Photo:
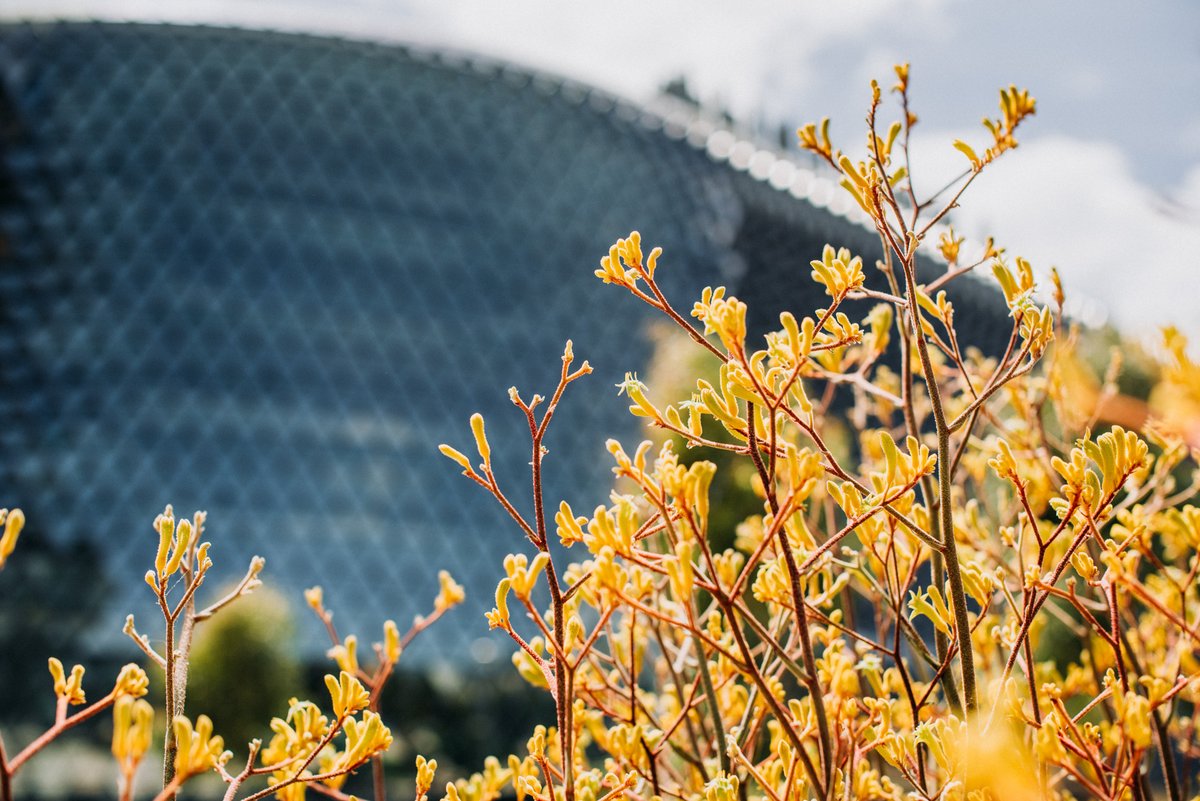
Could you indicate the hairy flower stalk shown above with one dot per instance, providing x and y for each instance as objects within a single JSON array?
[
  {"x": 945, "y": 529},
  {"x": 558, "y": 669},
  {"x": 811, "y": 679}
]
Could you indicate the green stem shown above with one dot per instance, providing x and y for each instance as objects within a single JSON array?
[
  {"x": 958, "y": 598},
  {"x": 711, "y": 694},
  {"x": 941, "y": 642}
]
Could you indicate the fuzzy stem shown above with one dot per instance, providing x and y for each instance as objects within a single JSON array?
[
  {"x": 812, "y": 682},
  {"x": 941, "y": 643},
  {"x": 235, "y": 782},
  {"x": 377, "y": 778},
  {"x": 169, "y": 701},
  {"x": 810, "y": 661},
  {"x": 711, "y": 694},
  {"x": 781, "y": 714},
  {"x": 5, "y": 775},
  {"x": 1165, "y": 754},
  {"x": 562, "y": 694},
  {"x": 562, "y": 699},
  {"x": 958, "y": 598},
  {"x": 169, "y": 789}
]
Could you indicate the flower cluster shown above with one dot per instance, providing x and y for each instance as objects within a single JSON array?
[
  {"x": 963, "y": 576},
  {"x": 982, "y": 576}
]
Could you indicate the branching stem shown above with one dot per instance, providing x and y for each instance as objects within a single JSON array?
[{"x": 958, "y": 598}]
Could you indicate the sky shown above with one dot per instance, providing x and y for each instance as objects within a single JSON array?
[{"x": 1105, "y": 185}]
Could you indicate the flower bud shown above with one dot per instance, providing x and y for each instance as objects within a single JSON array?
[
  {"x": 485, "y": 450},
  {"x": 13, "y": 521},
  {"x": 391, "y": 641}
]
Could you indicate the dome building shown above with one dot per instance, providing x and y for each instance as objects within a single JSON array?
[{"x": 265, "y": 274}]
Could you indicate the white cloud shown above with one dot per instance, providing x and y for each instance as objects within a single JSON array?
[
  {"x": 729, "y": 51},
  {"x": 1075, "y": 204}
]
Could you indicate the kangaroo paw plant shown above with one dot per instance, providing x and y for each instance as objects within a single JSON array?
[
  {"x": 985, "y": 596},
  {"x": 981, "y": 593},
  {"x": 309, "y": 748}
]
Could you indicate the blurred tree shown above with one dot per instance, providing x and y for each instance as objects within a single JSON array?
[{"x": 244, "y": 667}]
